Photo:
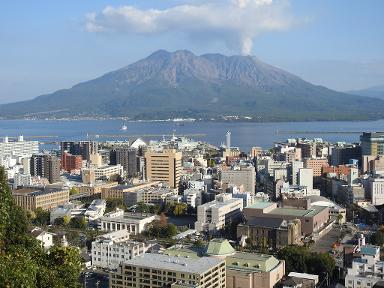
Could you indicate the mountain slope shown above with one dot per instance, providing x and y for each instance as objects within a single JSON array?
[
  {"x": 375, "y": 92},
  {"x": 181, "y": 84}
]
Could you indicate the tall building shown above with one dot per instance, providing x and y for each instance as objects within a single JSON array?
[
  {"x": 18, "y": 148},
  {"x": 316, "y": 165},
  {"x": 306, "y": 178},
  {"x": 83, "y": 148},
  {"x": 126, "y": 157},
  {"x": 372, "y": 143},
  {"x": 293, "y": 172},
  {"x": 45, "y": 165},
  {"x": 157, "y": 270},
  {"x": 164, "y": 166},
  {"x": 243, "y": 176},
  {"x": 71, "y": 162}
]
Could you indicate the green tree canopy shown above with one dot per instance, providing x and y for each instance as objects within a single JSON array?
[{"x": 23, "y": 262}]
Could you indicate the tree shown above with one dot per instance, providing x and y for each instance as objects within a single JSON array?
[
  {"x": 300, "y": 259},
  {"x": 113, "y": 203},
  {"x": 180, "y": 209},
  {"x": 42, "y": 217},
  {"x": 78, "y": 223},
  {"x": 142, "y": 207},
  {"x": 73, "y": 191},
  {"x": 23, "y": 262},
  {"x": 378, "y": 238}
]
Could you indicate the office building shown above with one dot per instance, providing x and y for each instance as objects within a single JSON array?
[
  {"x": 245, "y": 176},
  {"x": 214, "y": 215},
  {"x": 119, "y": 220},
  {"x": 376, "y": 190},
  {"x": 372, "y": 143},
  {"x": 157, "y": 270},
  {"x": 18, "y": 148},
  {"x": 46, "y": 199},
  {"x": 45, "y": 165},
  {"x": 164, "y": 166},
  {"x": 22, "y": 180},
  {"x": 293, "y": 171},
  {"x": 126, "y": 157}
]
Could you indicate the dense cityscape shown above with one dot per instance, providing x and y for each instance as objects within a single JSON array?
[{"x": 177, "y": 212}]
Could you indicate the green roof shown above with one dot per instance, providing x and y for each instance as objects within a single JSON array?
[
  {"x": 251, "y": 262},
  {"x": 220, "y": 247},
  {"x": 260, "y": 205}
]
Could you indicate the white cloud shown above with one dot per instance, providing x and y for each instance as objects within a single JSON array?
[{"x": 235, "y": 22}]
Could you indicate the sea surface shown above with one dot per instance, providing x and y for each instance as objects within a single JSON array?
[{"x": 244, "y": 134}]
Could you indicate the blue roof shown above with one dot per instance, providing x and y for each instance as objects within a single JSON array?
[{"x": 369, "y": 250}]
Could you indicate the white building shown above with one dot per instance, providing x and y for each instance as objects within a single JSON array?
[
  {"x": 90, "y": 175},
  {"x": 306, "y": 178},
  {"x": 44, "y": 237},
  {"x": 22, "y": 180},
  {"x": 376, "y": 190},
  {"x": 19, "y": 148},
  {"x": 366, "y": 270},
  {"x": 213, "y": 216},
  {"x": 119, "y": 220},
  {"x": 95, "y": 210},
  {"x": 112, "y": 249},
  {"x": 193, "y": 197}
]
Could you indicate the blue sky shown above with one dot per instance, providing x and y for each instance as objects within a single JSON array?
[{"x": 49, "y": 45}]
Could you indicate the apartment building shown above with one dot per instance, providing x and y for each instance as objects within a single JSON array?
[
  {"x": 83, "y": 148},
  {"x": 18, "y": 148},
  {"x": 372, "y": 143},
  {"x": 126, "y": 157},
  {"x": 71, "y": 162},
  {"x": 46, "y": 199},
  {"x": 316, "y": 165},
  {"x": 367, "y": 270},
  {"x": 150, "y": 195},
  {"x": 45, "y": 165},
  {"x": 119, "y": 220},
  {"x": 163, "y": 166},
  {"x": 214, "y": 215},
  {"x": 157, "y": 270}
]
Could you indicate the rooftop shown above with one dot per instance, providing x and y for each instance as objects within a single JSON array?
[
  {"x": 220, "y": 247},
  {"x": 252, "y": 261},
  {"x": 174, "y": 263},
  {"x": 260, "y": 205}
]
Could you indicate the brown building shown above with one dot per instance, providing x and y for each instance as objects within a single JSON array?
[
  {"x": 163, "y": 166},
  {"x": 71, "y": 162},
  {"x": 338, "y": 170},
  {"x": 45, "y": 165},
  {"x": 272, "y": 233},
  {"x": 46, "y": 199},
  {"x": 313, "y": 219},
  {"x": 316, "y": 165},
  {"x": 95, "y": 189},
  {"x": 117, "y": 191}
]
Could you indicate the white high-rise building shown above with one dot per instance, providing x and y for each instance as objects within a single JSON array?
[
  {"x": 19, "y": 148},
  {"x": 376, "y": 189},
  {"x": 306, "y": 178}
]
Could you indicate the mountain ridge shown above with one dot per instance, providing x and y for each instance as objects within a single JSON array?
[{"x": 180, "y": 84}]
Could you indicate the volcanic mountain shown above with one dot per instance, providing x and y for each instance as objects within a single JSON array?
[{"x": 180, "y": 84}]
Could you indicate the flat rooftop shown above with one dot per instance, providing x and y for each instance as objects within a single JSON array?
[
  {"x": 34, "y": 191},
  {"x": 181, "y": 264},
  {"x": 314, "y": 210},
  {"x": 260, "y": 205}
]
